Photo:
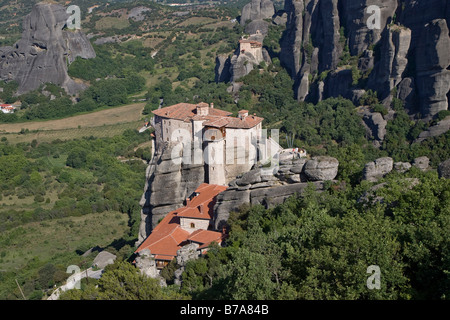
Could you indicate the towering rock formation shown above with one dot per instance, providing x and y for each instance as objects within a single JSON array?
[
  {"x": 254, "y": 14},
  {"x": 432, "y": 68},
  {"x": 407, "y": 52},
  {"x": 168, "y": 183},
  {"x": 44, "y": 51}
]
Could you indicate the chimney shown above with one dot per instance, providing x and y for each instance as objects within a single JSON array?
[
  {"x": 243, "y": 114},
  {"x": 200, "y": 208},
  {"x": 188, "y": 201},
  {"x": 202, "y": 109},
  {"x": 211, "y": 105}
]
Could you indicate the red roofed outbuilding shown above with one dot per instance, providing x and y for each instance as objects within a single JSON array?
[{"x": 185, "y": 225}]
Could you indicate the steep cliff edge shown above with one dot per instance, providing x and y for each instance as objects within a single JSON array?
[
  {"x": 168, "y": 183},
  {"x": 44, "y": 51}
]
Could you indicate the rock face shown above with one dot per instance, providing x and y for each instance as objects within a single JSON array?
[
  {"x": 168, "y": 185},
  {"x": 270, "y": 187},
  {"x": 254, "y": 13},
  {"x": 432, "y": 63},
  {"x": 394, "y": 49},
  {"x": 222, "y": 71},
  {"x": 407, "y": 52},
  {"x": 44, "y": 50}
]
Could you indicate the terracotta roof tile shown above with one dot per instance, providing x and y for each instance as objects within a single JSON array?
[
  {"x": 187, "y": 111},
  {"x": 167, "y": 237},
  {"x": 205, "y": 236},
  {"x": 215, "y": 118}
]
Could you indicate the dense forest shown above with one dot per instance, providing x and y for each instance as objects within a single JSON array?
[{"x": 318, "y": 247}]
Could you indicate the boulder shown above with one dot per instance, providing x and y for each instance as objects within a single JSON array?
[
  {"x": 422, "y": 163},
  {"x": 402, "y": 166},
  {"x": 187, "y": 253},
  {"x": 103, "y": 259},
  {"x": 146, "y": 263},
  {"x": 378, "y": 169},
  {"x": 321, "y": 168}
]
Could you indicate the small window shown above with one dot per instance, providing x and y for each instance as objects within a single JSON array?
[{"x": 192, "y": 225}]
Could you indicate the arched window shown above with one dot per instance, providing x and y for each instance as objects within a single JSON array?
[{"x": 192, "y": 225}]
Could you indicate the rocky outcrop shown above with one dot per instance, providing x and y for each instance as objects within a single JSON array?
[
  {"x": 375, "y": 170},
  {"x": 272, "y": 186},
  {"x": 243, "y": 61},
  {"x": 231, "y": 69},
  {"x": 45, "y": 49},
  {"x": 147, "y": 265},
  {"x": 389, "y": 70},
  {"x": 432, "y": 63},
  {"x": 375, "y": 125},
  {"x": 407, "y": 52},
  {"x": 187, "y": 253},
  {"x": 378, "y": 169},
  {"x": 440, "y": 128}
]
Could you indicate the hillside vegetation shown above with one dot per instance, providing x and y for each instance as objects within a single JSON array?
[{"x": 72, "y": 169}]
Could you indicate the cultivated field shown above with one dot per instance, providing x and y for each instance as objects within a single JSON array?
[{"x": 104, "y": 123}]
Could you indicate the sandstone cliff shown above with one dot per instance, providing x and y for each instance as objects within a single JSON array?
[{"x": 44, "y": 51}]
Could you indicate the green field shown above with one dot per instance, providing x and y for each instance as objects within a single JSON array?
[
  {"x": 48, "y": 239},
  {"x": 75, "y": 133}
]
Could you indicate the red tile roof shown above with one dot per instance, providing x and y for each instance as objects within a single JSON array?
[
  {"x": 216, "y": 118},
  {"x": 168, "y": 236},
  {"x": 186, "y": 111},
  {"x": 205, "y": 237}
]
